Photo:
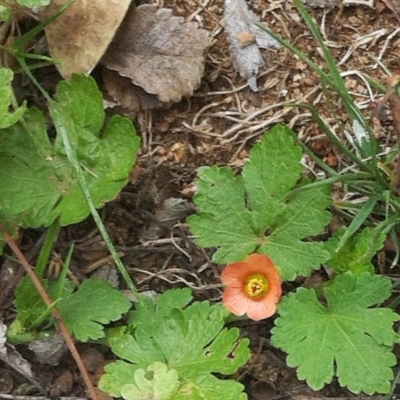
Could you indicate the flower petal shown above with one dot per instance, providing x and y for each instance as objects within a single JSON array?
[
  {"x": 235, "y": 301},
  {"x": 261, "y": 309},
  {"x": 234, "y": 274}
]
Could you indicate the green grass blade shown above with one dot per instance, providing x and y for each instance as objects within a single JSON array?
[
  {"x": 358, "y": 220},
  {"x": 64, "y": 272},
  {"x": 43, "y": 259},
  {"x": 61, "y": 127}
]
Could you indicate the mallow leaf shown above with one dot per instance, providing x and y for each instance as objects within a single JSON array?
[
  {"x": 38, "y": 182},
  {"x": 345, "y": 338},
  {"x": 6, "y": 118},
  {"x": 95, "y": 303},
  {"x": 259, "y": 210},
  {"x": 156, "y": 382},
  {"x": 190, "y": 339}
]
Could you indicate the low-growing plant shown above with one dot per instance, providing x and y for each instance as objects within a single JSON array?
[
  {"x": 371, "y": 177},
  {"x": 171, "y": 349},
  {"x": 268, "y": 223},
  {"x": 337, "y": 329}
]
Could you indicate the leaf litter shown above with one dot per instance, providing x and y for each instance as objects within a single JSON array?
[
  {"x": 10, "y": 356},
  {"x": 78, "y": 38},
  {"x": 161, "y": 53},
  {"x": 245, "y": 38}
]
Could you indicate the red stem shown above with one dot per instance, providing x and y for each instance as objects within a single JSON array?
[{"x": 57, "y": 316}]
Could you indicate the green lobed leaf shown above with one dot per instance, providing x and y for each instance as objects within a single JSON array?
[
  {"x": 30, "y": 306},
  {"x": 345, "y": 338},
  {"x": 95, "y": 303},
  {"x": 39, "y": 182},
  {"x": 270, "y": 174},
  {"x": 6, "y": 118},
  {"x": 160, "y": 307},
  {"x": 303, "y": 215},
  {"x": 357, "y": 252},
  {"x": 28, "y": 302},
  {"x": 118, "y": 374},
  {"x": 191, "y": 340},
  {"x": 211, "y": 388},
  {"x": 260, "y": 211},
  {"x": 223, "y": 219}
]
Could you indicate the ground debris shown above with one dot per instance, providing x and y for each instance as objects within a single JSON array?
[
  {"x": 245, "y": 38},
  {"x": 161, "y": 53}
]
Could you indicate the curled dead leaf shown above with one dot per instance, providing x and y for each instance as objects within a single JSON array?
[
  {"x": 10, "y": 356},
  {"x": 79, "y": 37},
  {"x": 49, "y": 350},
  {"x": 245, "y": 38},
  {"x": 158, "y": 52}
]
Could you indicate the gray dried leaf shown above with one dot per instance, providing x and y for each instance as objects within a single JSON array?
[
  {"x": 162, "y": 54},
  {"x": 3, "y": 338},
  {"x": 107, "y": 272},
  {"x": 49, "y": 350},
  {"x": 171, "y": 210},
  {"x": 11, "y": 357},
  {"x": 245, "y": 39}
]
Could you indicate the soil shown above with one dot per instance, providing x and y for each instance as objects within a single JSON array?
[{"x": 218, "y": 124}]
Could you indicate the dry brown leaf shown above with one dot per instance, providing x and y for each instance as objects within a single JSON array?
[
  {"x": 161, "y": 53},
  {"x": 79, "y": 37},
  {"x": 245, "y": 38},
  {"x": 126, "y": 94}
]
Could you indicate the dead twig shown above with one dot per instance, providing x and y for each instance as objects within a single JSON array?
[{"x": 394, "y": 102}]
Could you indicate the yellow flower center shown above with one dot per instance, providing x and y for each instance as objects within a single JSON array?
[{"x": 256, "y": 286}]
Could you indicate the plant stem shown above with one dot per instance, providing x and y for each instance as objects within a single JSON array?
[{"x": 57, "y": 316}]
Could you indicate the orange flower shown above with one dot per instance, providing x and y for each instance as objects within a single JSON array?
[{"x": 253, "y": 287}]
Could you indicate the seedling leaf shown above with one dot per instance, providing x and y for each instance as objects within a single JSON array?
[
  {"x": 259, "y": 211},
  {"x": 345, "y": 338},
  {"x": 156, "y": 382},
  {"x": 6, "y": 118},
  {"x": 95, "y": 303},
  {"x": 357, "y": 252},
  {"x": 191, "y": 340}
]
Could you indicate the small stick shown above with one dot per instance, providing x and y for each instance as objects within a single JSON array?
[
  {"x": 394, "y": 102},
  {"x": 57, "y": 316}
]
